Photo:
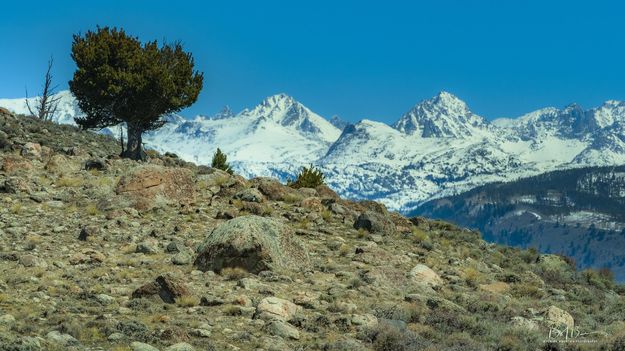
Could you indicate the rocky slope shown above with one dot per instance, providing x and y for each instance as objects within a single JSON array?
[
  {"x": 100, "y": 253},
  {"x": 438, "y": 148},
  {"x": 578, "y": 213}
]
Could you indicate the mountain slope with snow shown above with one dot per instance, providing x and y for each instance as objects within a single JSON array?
[{"x": 437, "y": 148}]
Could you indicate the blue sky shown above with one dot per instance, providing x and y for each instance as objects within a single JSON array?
[{"x": 356, "y": 59}]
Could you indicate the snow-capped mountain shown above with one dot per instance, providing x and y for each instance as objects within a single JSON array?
[
  {"x": 441, "y": 116},
  {"x": 437, "y": 148}
]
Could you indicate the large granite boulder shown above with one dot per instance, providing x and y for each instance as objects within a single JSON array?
[{"x": 253, "y": 243}]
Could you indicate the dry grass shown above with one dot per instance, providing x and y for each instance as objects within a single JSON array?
[
  {"x": 187, "y": 301},
  {"x": 234, "y": 273},
  {"x": 70, "y": 182}
]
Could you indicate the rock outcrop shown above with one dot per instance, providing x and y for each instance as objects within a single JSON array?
[{"x": 253, "y": 243}]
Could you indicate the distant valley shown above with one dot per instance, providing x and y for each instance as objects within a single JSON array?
[{"x": 578, "y": 213}]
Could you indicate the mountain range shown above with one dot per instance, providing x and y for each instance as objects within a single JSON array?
[{"x": 437, "y": 148}]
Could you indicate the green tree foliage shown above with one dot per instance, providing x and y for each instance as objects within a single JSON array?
[
  {"x": 309, "y": 177},
  {"x": 220, "y": 161},
  {"x": 121, "y": 80}
]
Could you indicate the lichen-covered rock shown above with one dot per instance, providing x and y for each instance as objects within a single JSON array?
[
  {"x": 556, "y": 317},
  {"x": 253, "y": 243},
  {"x": 13, "y": 164},
  {"x": 276, "y": 308},
  {"x": 250, "y": 195},
  {"x": 31, "y": 150},
  {"x": 271, "y": 188},
  {"x": 147, "y": 183},
  {"x": 60, "y": 164},
  {"x": 375, "y": 223},
  {"x": 166, "y": 286},
  {"x": 422, "y": 274}
]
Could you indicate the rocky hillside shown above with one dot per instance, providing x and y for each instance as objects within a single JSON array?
[
  {"x": 577, "y": 213},
  {"x": 100, "y": 253}
]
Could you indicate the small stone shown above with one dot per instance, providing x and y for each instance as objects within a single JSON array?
[
  {"x": 181, "y": 346},
  {"x": 88, "y": 231},
  {"x": 174, "y": 247},
  {"x": 139, "y": 346},
  {"x": 96, "y": 164},
  {"x": 282, "y": 329},
  {"x": 181, "y": 259},
  {"x": 61, "y": 339},
  {"x": 210, "y": 300},
  {"x": 105, "y": 299},
  {"x": 148, "y": 247},
  {"x": 32, "y": 261},
  {"x": 250, "y": 195},
  {"x": 116, "y": 337},
  {"x": 7, "y": 320},
  {"x": 201, "y": 333}
]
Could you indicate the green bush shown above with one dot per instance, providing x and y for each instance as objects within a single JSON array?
[
  {"x": 309, "y": 177},
  {"x": 220, "y": 161}
]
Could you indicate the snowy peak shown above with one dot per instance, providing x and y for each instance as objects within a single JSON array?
[
  {"x": 338, "y": 122},
  {"x": 442, "y": 116},
  {"x": 287, "y": 112},
  {"x": 225, "y": 113}
]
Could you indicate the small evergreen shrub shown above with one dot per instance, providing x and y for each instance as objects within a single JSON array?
[
  {"x": 309, "y": 177},
  {"x": 220, "y": 161}
]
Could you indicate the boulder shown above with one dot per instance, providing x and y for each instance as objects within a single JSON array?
[
  {"x": 375, "y": 223},
  {"x": 147, "y": 183},
  {"x": 556, "y": 317},
  {"x": 31, "y": 150},
  {"x": 14, "y": 163},
  {"x": 282, "y": 329},
  {"x": 166, "y": 286},
  {"x": 325, "y": 192},
  {"x": 253, "y": 243},
  {"x": 59, "y": 164},
  {"x": 275, "y": 308},
  {"x": 496, "y": 287},
  {"x": 250, "y": 195},
  {"x": 271, "y": 188},
  {"x": 95, "y": 164},
  {"x": 422, "y": 274},
  {"x": 88, "y": 231}
]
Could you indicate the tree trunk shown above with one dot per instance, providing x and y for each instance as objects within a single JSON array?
[{"x": 134, "y": 147}]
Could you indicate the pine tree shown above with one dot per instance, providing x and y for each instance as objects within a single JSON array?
[
  {"x": 220, "y": 161},
  {"x": 309, "y": 177},
  {"x": 121, "y": 80}
]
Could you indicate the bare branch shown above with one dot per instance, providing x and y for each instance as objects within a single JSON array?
[{"x": 46, "y": 105}]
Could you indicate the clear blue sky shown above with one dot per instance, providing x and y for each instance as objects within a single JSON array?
[{"x": 357, "y": 59}]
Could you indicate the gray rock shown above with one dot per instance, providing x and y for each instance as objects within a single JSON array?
[
  {"x": 61, "y": 339},
  {"x": 250, "y": 195},
  {"x": 210, "y": 300},
  {"x": 149, "y": 247},
  {"x": 375, "y": 223},
  {"x": 105, "y": 299},
  {"x": 182, "y": 258},
  {"x": 7, "y": 320},
  {"x": 181, "y": 346},
  {"x": 253, "y": 243},
  {"x": 139, "y": 346},
  {"x": 282, "y": 329}
]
